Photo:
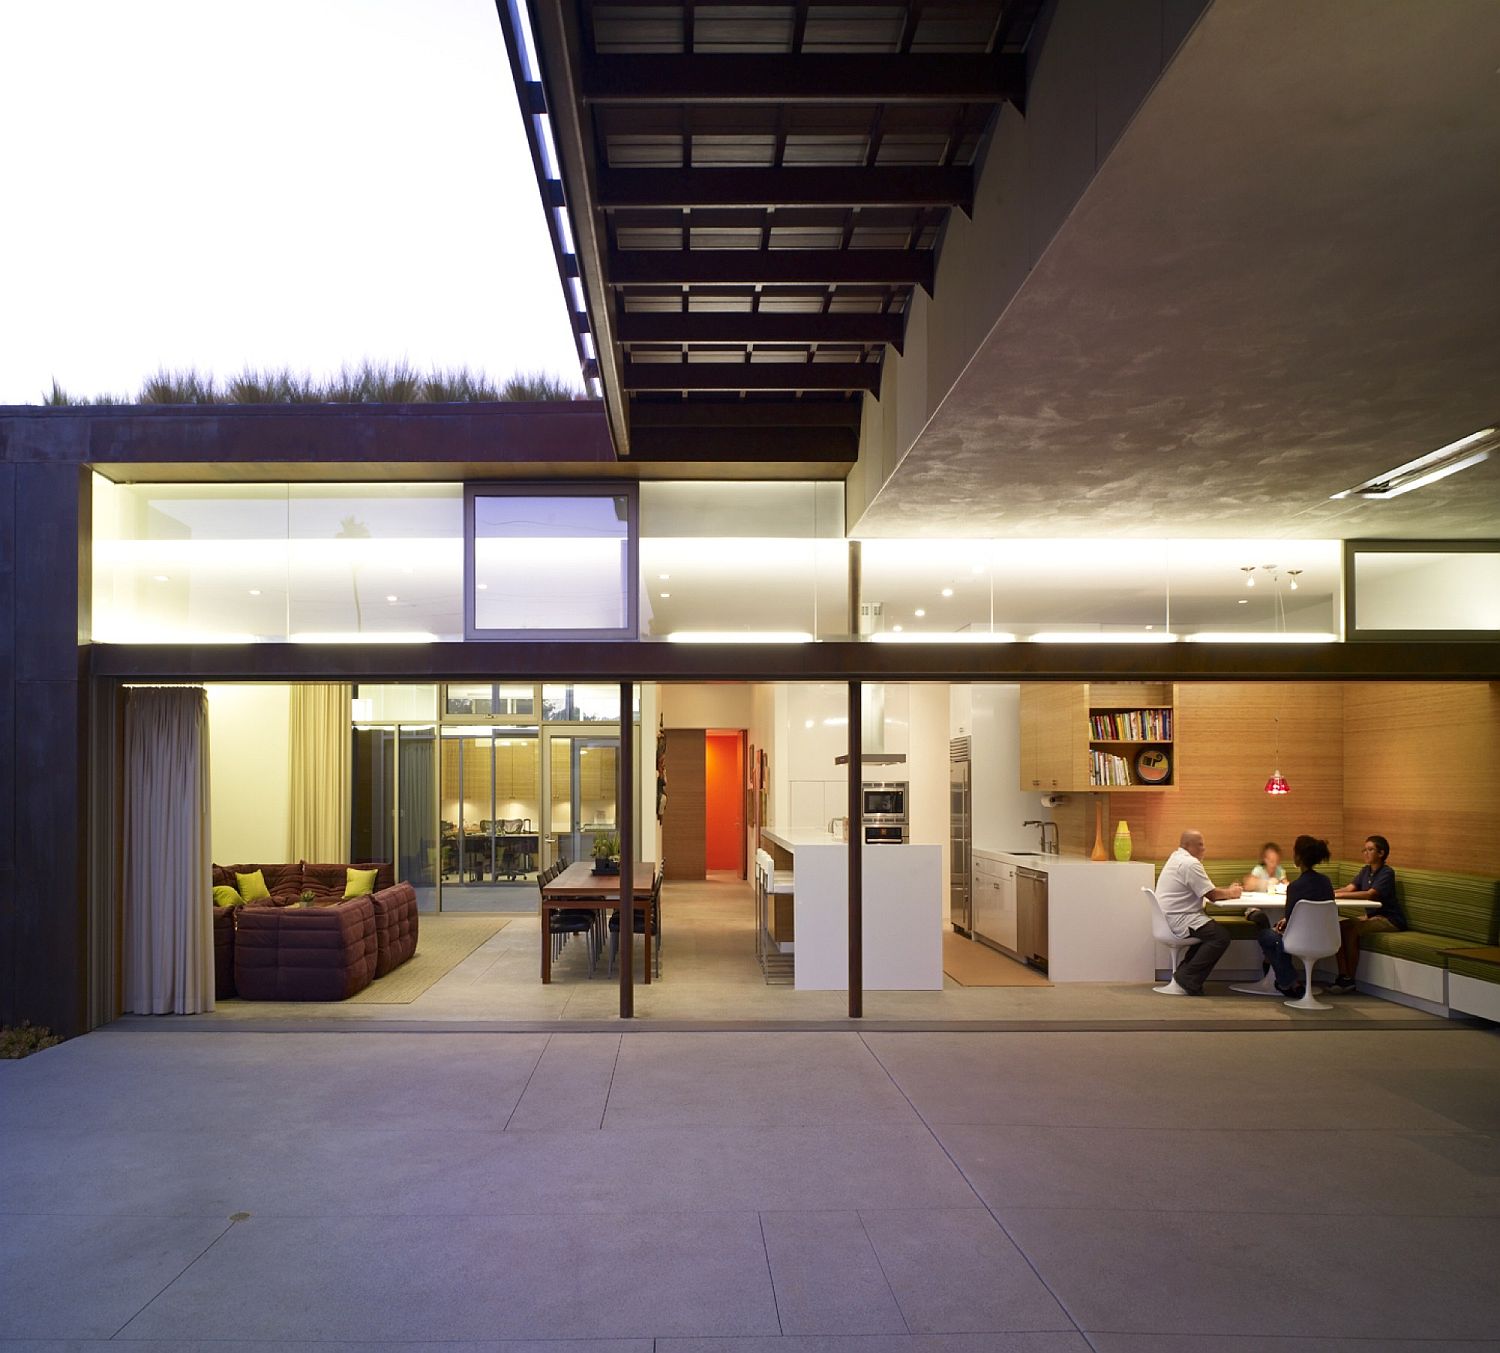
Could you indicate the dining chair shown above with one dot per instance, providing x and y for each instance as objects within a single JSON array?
[
  {"x": 1311, "y": 933},
  {"x": 638, "y": 915},
  {"x": 1162, "y": 933},
  {"x": 567, "y": 922}
]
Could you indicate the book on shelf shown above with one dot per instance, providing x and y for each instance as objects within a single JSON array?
[
  {"x": 1131, "y": 725},
  {"x": 1109, "y": 771}
]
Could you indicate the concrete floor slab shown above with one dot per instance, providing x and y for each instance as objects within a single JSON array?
[
  {"x": 827, "y": 1277},
  {"x": 1278, "y": 1273}
]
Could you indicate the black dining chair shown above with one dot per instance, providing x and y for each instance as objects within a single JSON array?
[
  {"x": 638, "y": 915},
  {"x": 567, "y": 922}
]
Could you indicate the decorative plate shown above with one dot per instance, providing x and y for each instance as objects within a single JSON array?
[{"x": 1153, "y": 766}]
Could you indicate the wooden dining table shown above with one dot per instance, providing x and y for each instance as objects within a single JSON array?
[{"x": 578, "y": 888}]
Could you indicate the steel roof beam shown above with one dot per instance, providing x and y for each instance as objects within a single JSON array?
[
  {"x": 805, "y": 78},
  {"x": 771, "y": 267},
  {"x": 747, "y": 327},
  {"x": 906, "y": 186},
  {"x": 752, "y": 376}
]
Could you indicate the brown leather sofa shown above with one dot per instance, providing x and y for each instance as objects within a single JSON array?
[
  {"x": 305, "y": 953},
  {"x": 393, "y": 906}
]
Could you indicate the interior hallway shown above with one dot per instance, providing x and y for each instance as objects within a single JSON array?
[
  {"x": 756, "y": 1193},
  {"x": 710, "y": 976}
]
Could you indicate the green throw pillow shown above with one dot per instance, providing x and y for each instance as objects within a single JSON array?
[
  {"x": 225, "y": 896},
  {"x": 252, "y": 887},
  {"x": 361, "y": 882}
]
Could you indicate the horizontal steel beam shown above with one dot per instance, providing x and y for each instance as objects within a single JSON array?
[
  {"x": 760, "y": 445},
  {"x": 771, "y": 267},
  {"x": 646, "y": 661},
  {"x": 697, "y": 326},
  {"x": 732, "y": 413},
  {"x": 752, "y": 376},
  {"x": 805, "y": 78},
  {"x": 894, "y": 186}
]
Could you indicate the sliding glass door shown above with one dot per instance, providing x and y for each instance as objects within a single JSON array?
[
  {"x": 582, "y": 793},
  {"x": 490, "y": 802}
]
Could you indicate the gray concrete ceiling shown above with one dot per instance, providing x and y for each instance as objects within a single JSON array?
[{"x": 1284, "y": 280}]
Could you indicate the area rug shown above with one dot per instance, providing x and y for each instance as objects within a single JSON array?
[
  {"x": 443, "y": 942},
  {"x": 974, "y": 965}
]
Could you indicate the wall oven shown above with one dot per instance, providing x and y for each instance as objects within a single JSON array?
[
  {"x": 884, "y": 803},
  {"x": 885, "y": 833}
]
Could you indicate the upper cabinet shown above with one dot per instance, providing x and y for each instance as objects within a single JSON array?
[{"x": 1080, "y": 736}]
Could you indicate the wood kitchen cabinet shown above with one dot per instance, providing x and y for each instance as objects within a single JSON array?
[{"x": 1056, "y": 736}]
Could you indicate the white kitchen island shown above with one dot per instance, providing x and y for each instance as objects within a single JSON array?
[
  {"x": 903, "y": 913},
  {"x": 1098, "y": 923}
]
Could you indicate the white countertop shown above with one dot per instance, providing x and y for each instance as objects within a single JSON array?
[
  {"x": 790, "y": 840},
  {"x": 1054, "y": 864}
]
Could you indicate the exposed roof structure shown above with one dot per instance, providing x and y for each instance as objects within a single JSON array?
[{"x": 756, "y": 190}]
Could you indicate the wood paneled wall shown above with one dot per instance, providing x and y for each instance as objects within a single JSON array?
[
  {"x": 1226, "y": 747},
  {"x": 682, "y": 830},
  {"x": 1422, "y": 768}
]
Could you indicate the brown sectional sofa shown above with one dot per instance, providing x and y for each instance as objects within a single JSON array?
[
  {"x": 305, "y": 954},
  {"x": 246, "y": 943}
]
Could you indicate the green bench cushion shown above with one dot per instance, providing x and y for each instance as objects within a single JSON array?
[
  {"x": 1420, "y": 946},
  {"x": 1473, "y": 967},
  {"x": 1461, "y": 905}
]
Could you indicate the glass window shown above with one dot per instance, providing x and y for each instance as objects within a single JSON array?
[
  {"x": 581, "y": 704},
  {"x": 743, "y": 560},
  {"x": 555, "y": 561},
  {"x": 1436, "y": 590}
]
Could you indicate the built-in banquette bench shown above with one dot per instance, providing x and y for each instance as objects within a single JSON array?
[{"x": 1444, "y": 912}]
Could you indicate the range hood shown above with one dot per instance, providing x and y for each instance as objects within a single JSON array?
[{"x": 872, "y": 731}]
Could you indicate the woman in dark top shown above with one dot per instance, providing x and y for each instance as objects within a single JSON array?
[
  {"x": 1376, "y": 882},
  {"x": 1309, "y": 886}
]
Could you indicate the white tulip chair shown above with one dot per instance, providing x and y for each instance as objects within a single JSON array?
[
  {"x": 1311, "y": 933},
  {"x": 1162, "y": 933}
]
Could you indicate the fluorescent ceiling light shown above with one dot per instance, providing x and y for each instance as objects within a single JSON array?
[
  {"x": 388, "y": 637},
  {"x": 1109, "y": 637},
  {"x": 739, "y": 637},
  {"x": 1439, "y": 464},
  {"x": 1259, "y": 637},
  {"x": 962, "y": 637}
]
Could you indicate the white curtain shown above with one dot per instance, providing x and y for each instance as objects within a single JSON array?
[
  {"x": 321, "y": 773},
  {"x": 169, "y": 943}
]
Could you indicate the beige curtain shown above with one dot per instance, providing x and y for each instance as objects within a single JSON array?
[
  {"x": 320, "y": 773},
  {"x": 169, "y": 944}
]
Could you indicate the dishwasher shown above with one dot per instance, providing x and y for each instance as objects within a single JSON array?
[{"x": 1031, "y": 917}]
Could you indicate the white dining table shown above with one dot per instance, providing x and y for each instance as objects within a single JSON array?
[{"x": 1275, "y": 902}]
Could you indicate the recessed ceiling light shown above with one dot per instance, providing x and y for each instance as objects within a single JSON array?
[
  {"x": 255, "y": 591},
  {"x": 1428, "y": 469},
  {"x": 919, "y": 612},
  {"x": 664, "y": 595},
  {"x": 895, "y": 629},
  {"x": 1244, "y": 601},
  {"x": 160, "y": 578},
  {"x": 947, "y": 591},
  {"x": 393, "y": 597},
  {"x": 481, "y": 587},
  {"x": 663, "y": 576},
  {"x": 807, "y": 723}
]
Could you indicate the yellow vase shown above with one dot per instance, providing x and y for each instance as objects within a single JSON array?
[{"x": 1122, "y": 840}]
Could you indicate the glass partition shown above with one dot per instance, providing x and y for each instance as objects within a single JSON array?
[
  {"x": 1446, "y": 588},
  {"x": 555, "y": 560},
  {"x": 743, "y": 561}
]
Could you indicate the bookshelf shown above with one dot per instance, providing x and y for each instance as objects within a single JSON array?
[
  {"x": 1073, "y": 734},
  {"x": 1124, "y": 720}
]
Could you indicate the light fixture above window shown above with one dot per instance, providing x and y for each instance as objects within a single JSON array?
[{"x": 1463, "y": 454}]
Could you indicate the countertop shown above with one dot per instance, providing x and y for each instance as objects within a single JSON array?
[
  {"x": 790, "y": 840},
  {"x": 1050, "y": 864}
]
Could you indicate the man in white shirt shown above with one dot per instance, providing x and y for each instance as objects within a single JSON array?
[{"x": 1181, "y": 891}]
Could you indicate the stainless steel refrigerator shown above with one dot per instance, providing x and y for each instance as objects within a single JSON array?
[{"x": 960, "y": 827}]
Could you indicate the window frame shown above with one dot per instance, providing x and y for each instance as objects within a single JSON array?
[
  {"x": 1354, "y": 548},
  {"x": 556, "y": 489}
]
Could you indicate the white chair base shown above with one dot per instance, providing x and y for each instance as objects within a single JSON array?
[
  {"x": 1307, "y": 1001},
  {"x": 1265, "y": 987},
  {"x": 1172, "y": 988}
]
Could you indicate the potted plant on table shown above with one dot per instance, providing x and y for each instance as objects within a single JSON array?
[
  {"x": 606, "y": 854},
  {"x": 308, "y": 898}
]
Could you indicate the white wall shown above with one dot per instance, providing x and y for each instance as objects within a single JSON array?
[
  {"x": 926, "y": 711},
  {"x": 990, "y": 714},
  {"x": 645, "y": 798},
  {"x": 714, "y": 705},
  {"x": 814, "y": 730},
  {"x": 249, "y": 749}
]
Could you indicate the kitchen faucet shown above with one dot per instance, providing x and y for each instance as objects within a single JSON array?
[{"x": 1054, "y": 848}]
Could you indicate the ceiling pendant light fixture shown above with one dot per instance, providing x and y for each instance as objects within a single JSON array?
[{"x": 1276, "y": 784}]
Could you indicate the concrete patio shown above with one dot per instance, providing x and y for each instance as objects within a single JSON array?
[{"x": 755, "y": 1192}]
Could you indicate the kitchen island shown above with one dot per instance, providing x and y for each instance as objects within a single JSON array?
[
  {"x": 1097, "y": 925},
  {"x": 903, "y": 912}
]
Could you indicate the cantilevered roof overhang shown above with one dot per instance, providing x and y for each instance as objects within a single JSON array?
[{"x": 744, "y": 196}]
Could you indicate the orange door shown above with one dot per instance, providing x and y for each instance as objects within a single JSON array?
[{"x": 724, "y": 827}]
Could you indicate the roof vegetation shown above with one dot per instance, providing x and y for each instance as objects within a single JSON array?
[{"x": 365, "y": 383}]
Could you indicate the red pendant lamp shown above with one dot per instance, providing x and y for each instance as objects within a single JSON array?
[{"x": 1277, "y": 784}]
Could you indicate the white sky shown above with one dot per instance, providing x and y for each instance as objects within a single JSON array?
[{"x": 293, "y": 182}]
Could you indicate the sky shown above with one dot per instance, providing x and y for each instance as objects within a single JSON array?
[{"x": 301, "y": 183}]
